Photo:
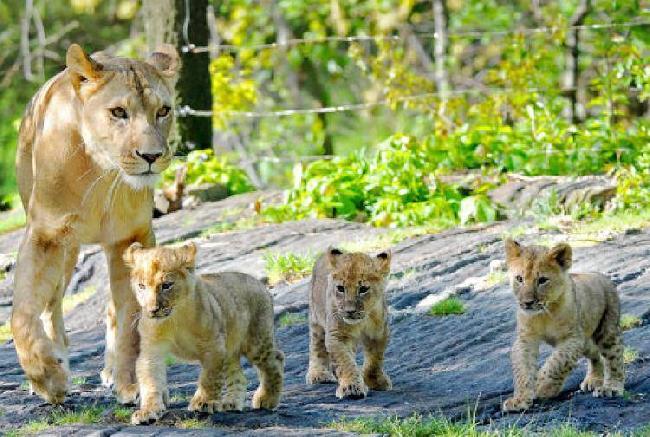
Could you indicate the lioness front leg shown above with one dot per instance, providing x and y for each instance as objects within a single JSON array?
[
  {"x": 39, "y": 283},
  {"x": 557, "y": 367},
  {"x": 350, "y": 381},
  {"x": 126, "y": 334},
  {"x": 524, "y": 368},
  {"x": 152, "y": 381},
  {"x": 207, "y": 397},
  {"x": 373, "y": 365}
]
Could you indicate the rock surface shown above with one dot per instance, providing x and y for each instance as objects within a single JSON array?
[{"x": 439, "y": 365}]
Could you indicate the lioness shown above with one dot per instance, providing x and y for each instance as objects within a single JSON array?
[
  {"x": 347, "y": 305},
  {"x": 92, "y": 143},
  {"x": 577, "y": 314},
  {"x": 213, "y": 319}
]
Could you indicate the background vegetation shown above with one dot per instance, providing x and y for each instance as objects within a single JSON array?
[{"x": 429, "y": 88}]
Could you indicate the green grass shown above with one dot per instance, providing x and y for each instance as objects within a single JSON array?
[
  {"x": 79, "y": 380},
  {"x": 191, "y": 423},
  {"x": 630, "y": 355},
  {"x": 629, "y": 321},
  {"x": 170, "y": 360},
  {"x": 72, "y": 300},
  {"x": 122, "y": 414},
  {"x": 84, "y": 416},
  {"x": 290, "y": 319},
  {"x": 13, "y": 220},
  {"x": 288, "y": 267},
  {"x": 618, "y": 222},
  {"x": 446, "y": 307}
]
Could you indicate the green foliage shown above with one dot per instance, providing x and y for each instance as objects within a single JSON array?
[
  {"x": 446, "y": 307},
  {"x": 629, "y": 321},
  {"x": 204, "y": 167},
  {"x": 290, "y": 319},
  {"x": 288, "y": 267}
]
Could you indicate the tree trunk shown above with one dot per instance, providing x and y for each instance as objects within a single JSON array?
[
  {"x": 572, "y": 56},
  {"x": 194, "y": 87},
  {"x": 440, "y": 50}
]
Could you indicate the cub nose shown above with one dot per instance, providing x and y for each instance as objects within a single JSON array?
[
  {"x": 350, "y": 314},
  {"x": 528, "y": 303},
  {"x": 150, "y": 158},
  {"x": 153, "y": 311}
]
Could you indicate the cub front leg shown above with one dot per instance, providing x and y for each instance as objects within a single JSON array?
[
  {"x": 207, "y": 397},
  {"x": 524, "y": 357},
  {"x": 373, "y": 365},
  {"x": 350, "y": 381},
  {"x": 557, "y": 367},
  {"x": 152, "y": 380}
]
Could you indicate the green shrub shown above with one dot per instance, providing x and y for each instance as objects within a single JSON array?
[{"x": 448, "y": 306}]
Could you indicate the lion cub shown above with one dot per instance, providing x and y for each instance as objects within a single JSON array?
[
  {"x": 347, "y": 305},
  {"x": 576, "y": 313},
  {"x": 213, "y": 319}
]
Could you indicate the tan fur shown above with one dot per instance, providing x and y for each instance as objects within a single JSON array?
[
  {"x": 80, "y": 182},
  {"x": 340, "y": 320},
  {"x": 577, "y": 314},
  {"x": 213, "y": 319}
]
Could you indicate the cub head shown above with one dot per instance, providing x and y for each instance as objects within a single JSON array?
[
  {"x": 161, "y": 277},
  {"x": 126, "y": 110},
  {"x": 357, "y": 282},
  {"x": 538, "y": 275}
]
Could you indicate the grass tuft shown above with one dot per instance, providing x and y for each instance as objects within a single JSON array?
[
  {"x": 446, "y": 307},
  {"x": 630, "y": 355},
  {"x": 629, "y": 321},
  {"x": 122, "y": 414},
  {"x": 289, "y": 267},
  {"x": 191, "y": 423},
  {"x": 291, "y": 319}
]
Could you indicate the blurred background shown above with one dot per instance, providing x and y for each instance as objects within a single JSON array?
[{"x": 392, "y": 112}]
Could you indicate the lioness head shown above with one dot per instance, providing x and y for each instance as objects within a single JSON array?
[
  {"x": 126, "y": 110},
  {"x": 538, "y": 275},
  {"x": 357, "y": 282},
  {"x": 161, "y": 277}
]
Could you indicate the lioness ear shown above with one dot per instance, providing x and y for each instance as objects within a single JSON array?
[
  {"x": 166, "y": 61},
  {"x": 81, "y": 67},
  {"x": 129, "y": 254},
  {"x": 333, "y": 255},
  {"x": 382, "y": 262},
  {"x": 562, "y": 255},
  {"x": 513, "y": 250},
  {"x": 187, "y": 255}
]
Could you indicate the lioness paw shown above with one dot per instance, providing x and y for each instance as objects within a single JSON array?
[
  {"x": 516, "y": 404},
  {"x": 355, "y": 390},
  {"x": 146, "y": 416}
]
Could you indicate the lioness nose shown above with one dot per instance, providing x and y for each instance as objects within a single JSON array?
[{"x": 150, "y": 158}]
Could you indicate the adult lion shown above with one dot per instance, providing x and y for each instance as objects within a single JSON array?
[{"x": 92, "y": 144}]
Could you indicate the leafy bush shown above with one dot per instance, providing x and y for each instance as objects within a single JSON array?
[{"x": 204, "y": 167}]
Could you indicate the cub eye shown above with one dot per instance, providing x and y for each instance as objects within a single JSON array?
[
  {"x": 119, "y": 112},
  {"x": 363, "y": 289},
  {"x": 340, "y": 289},
  {"x": 542, "y": 280},
  {"x": 163, "y": 112},
  {"x": 166, "y": 286},
  {"x": 519, "y": 279},
  {"x": 141, "y": 286}
]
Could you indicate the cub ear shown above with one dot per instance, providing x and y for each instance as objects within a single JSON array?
[
  {"x": 166, "y": 61},
  {"x": 81, "y": 67},
  {"x": 562, "y": 254},
  {"x": 513, "y": 250},
  {"x": 130, "y": 252},
  {"x": 187, "y": 255},
  {"x": 333, "y": 256},
  {"x": 382, "y": 261}
]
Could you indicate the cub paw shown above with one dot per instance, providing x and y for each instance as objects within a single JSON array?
[
  {"x": 53, "y": 386},
  {"x": 106, "y": 375},
  {"x": 265, "y": 400},
  {"x": 355, "y": 390},
  {"x": 516, "y": 404},
  {"x": 609, "y": 390},
  {"x": 378, "y": 381},
  {"x": 591, "y": 383},
  {"x": 547, "y": 390},
  {"x": 231, "y": 405},
  {"x": 201, "y": 404},
  {"x": 145, "y": 416},
  {"x": 320, "y": 377},
  {"x": 128, "y": 394}
]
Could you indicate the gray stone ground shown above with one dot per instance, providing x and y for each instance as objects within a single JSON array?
[{"x": 449, "y": 365}]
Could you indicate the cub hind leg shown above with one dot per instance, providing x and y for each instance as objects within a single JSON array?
[
  {"x": 235, "y": 395},
  {"x": 611, "y": 348},
  {"x": 373, "y": 365},
  {"x": 594, "y": 379},
  {"x": 319, "y": 371},
  {"x": 269, "y": 362}
]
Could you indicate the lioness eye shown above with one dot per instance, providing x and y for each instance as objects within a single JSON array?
[
  {"x": 519, "y": 279},
  {"x": 119, "y": 112},
  {"x": 542, "y": 280},
  {"x": 162, "y": 112},
  {"x": 340, "y": 289},
  {"x": 167, "y": 285},
  {"x": 363, "y": 289}
]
